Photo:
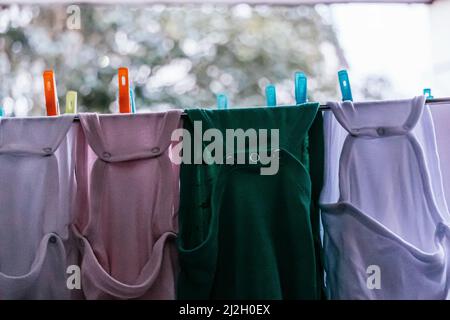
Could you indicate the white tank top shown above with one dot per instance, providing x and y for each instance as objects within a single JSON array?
[{"x": 383, "y": 209}]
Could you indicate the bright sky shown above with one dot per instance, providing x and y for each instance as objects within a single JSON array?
[{"x": 391, "y": 40}]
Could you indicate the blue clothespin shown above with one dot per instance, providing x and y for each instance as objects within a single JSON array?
[
  {"x": 300, "y": 88},
  {"x": 271, "y": 95},
  {"x": 133, "y": 103},
  {"x": 427, "y": 93},
  {"x": 344, "y": 83},
  {"x": 222, "y": 101}
]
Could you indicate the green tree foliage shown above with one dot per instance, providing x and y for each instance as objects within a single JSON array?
[{"x": 178, "y": 56}]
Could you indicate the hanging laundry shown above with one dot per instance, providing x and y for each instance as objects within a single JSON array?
[
  {"x": 36, "y": 196},
  {"x": 385, "y": 232},
  {"x": 425, "y": 133},
  {"x": 246, "y": 233},
  {"x": 441, "y": 118},
  {"x": 128, "y": 196}
]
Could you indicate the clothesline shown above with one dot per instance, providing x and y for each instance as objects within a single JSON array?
[
  {"x": 180, "y": 2},
  {"x": 325, "y": 107}
]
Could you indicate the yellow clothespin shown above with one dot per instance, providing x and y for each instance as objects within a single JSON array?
[{"x": 71, "y": 102}]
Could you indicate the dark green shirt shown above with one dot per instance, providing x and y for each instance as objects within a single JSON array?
[{"x": 244, "y": 235}]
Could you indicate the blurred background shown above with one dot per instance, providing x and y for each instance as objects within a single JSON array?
[{"x": 181, "y": 56}]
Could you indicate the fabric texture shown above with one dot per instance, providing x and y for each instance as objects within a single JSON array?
[
  {"x": 37, "y": 188},
  {"x": 441, "y": 120},
  {"x": 244, "y": 235},
  {"x": 384, "y": 213},
  {"x": 127, "y": 200}
]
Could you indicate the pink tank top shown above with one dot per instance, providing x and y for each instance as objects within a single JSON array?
[{"x": 126, "y": 221}]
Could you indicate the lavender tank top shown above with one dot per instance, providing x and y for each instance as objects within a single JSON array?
[
  {"x": 383, "y": 210},
  {"x": 37, "y": 188},
  {"x": 441, "y": 118}
]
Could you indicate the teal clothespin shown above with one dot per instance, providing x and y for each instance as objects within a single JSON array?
[
  {"x": 1, "y": 112},
  {"x": 344, "y": 83},
  {"x": 300, "y": 87},
  {"x": 427, "y": 93},
  {"x": 133, "y": 104},
  {"x": 271, "y": 95},
  {"x": 222, "y": 101}
]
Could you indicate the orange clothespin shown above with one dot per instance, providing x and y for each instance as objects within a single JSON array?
[
  {"x": 124, "y": 91},
  {"x": 51, "y": 97}
]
